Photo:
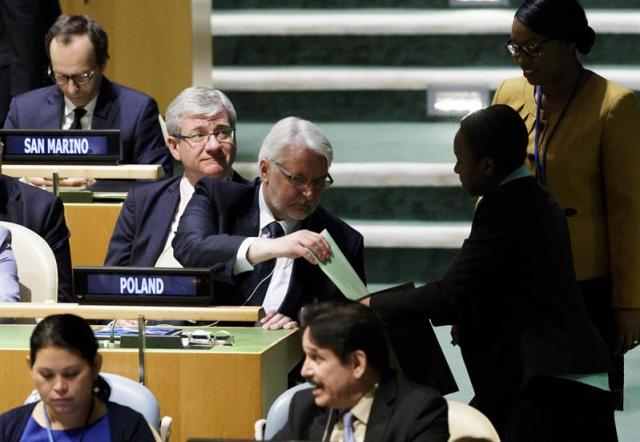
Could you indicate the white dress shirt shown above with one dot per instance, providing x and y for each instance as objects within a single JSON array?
[
  {"x": 86, "y": 119},
  {"x": 279, "y": 283}
]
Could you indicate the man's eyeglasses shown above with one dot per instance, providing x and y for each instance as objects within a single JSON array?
[
  {"x": 533, "y": 49},
  {"x": 221, "y": 134},
  {"x": 78, "y": 79},
  {"x": 302, "y": 182}
]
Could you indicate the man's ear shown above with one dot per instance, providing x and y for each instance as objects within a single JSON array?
[
  {"x": 264, "y": 170},
  {"x": 488, "y": 166},
  {"x": 172, "y": 144},
  {"x": 359, "y": 363}
]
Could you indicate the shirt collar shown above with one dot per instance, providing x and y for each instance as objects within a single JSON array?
[
  {"x": 90, "y": 107},
  {"x": 266, "y": 216},
  {"x": 362, "y": 409},
  {"x": 520, "y": 172}
]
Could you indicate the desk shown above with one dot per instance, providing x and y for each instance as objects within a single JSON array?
[
  {"x": 209, "y": 393},
  {"x": 91, "y": 226}
]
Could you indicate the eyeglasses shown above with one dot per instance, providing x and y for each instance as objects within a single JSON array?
[
  {"x": 78, "y": 79},
  {"x": 302, "y": 182},
  {"x": 221, "y": 134},
  {"x": 533, "y": 49}
]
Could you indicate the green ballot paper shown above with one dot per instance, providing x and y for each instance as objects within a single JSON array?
[{"x": 340, "y": 272}]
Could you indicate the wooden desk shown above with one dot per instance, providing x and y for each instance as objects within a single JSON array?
[
  {"x": 209, "y": 393},
  {"x": 115, "y": 172},
  {"x": 91, "y": 226}
]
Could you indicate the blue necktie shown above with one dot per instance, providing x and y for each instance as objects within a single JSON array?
[
  {"x": 262, "y": 272},
  {"x": 347, "y": 432}
]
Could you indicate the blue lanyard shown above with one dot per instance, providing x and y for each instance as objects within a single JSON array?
[{"x": 541, "y": 163}]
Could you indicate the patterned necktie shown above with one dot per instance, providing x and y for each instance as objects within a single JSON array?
[
  {"x": 262, "y": 272},
  {"x": 347, "y": 422},
  {"x": 78, "y": 113}
]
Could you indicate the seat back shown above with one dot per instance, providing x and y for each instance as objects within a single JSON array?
[
  {"x": 467, "y": 423},
  {"x": 37, "y": 267},
  {"x": 134, "y": 395},
  {"x": 279, "y": 411}
]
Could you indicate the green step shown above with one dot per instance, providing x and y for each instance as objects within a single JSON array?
[
  {"x": 388, "y": 266},
  {"x": 400, "y": 50},
  {"x": 372, "y": 142},
  {"x": 418, "y": 4}
]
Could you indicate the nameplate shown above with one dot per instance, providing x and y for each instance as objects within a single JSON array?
[
  {"x": 130, "y": 285},
  {"x": 61, "y": 146}
]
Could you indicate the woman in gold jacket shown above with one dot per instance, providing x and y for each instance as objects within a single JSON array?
[{"x": 584, "y": 145}]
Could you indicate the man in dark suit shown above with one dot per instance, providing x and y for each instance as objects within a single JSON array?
[
  {"x": 258, "y": 230},
  {"x": 355, "y": 395},
  {"x": 43, "y": 213},
  {"x": 201, "y": 124},
  {"x": 536, "y": 362},
  {"x": 84, "y": 99},
  {"x": 23, "y": 59}
]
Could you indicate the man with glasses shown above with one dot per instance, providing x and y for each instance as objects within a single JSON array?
[
  {"x": 266, "y": 234},
  {"x": 201, "y": 125},
  {"x": 83, "y": 98}
]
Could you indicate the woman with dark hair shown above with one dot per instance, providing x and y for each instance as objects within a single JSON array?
[
  {"x": 535, "y": 359},
  {"x": 584, "y": 136},
  {"x": 65, "y": 365}
]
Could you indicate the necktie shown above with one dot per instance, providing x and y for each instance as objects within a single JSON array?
[
  {"x": 347, "y": 422},
  {"x": 78, "y": 113},
  {"x": 262, "y": 272}
]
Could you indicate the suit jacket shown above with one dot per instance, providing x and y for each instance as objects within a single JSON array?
[
  {"x": 9, "y": 288},
  {"x": 141, "y": 231},
  {"x": 513, "y": 292},
  {"x": 592, "y": 172},
  {"x": 402, "y": 411},
  {"x": 43, "y": 213},
  {"x": 118, "y": 107},
  {"x": 222, "y": 214}
]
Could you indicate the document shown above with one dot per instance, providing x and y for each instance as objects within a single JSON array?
[{"x": 340, "y": 272}]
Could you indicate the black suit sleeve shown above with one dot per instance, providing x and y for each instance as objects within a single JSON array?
[
  {"x": 198, "y": 241},
  {"x": 430, "y": 424}
]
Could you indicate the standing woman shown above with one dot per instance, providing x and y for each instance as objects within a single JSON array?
[
  {"x": 584, "y": 145},
  {"x": 64, "y": 363}
]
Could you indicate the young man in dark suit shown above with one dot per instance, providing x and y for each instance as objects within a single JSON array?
[
  {"x": 536, "y": 362},
  {"x": 356, "y": 396},
  {"x": 266, "y": 234},
  {"x": 83, "y": 98},
  {"x": 201, "y": 124}
]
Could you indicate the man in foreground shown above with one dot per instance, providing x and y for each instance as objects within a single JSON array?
[{"x": 356, "y": 396}]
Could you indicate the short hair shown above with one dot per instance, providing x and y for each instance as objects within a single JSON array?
[
  {"x": 198, "y": 100},
  {"x": 497, "y": 132},
  {"x": 346, "y": 327},
  {"x": 295, "y": 132},
  {"x": 71, "y": 333},
  {"x": 66, "y": 26},
  {"x": 558, "y": 19}
]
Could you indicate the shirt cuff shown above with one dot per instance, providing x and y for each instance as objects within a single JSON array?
[{"x": 242, "y": 264}]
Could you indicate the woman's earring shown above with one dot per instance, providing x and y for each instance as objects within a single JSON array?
[{"x": 95, "y": 389}]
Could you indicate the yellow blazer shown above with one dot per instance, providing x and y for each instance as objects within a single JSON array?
[{"x": 593, "y": 169}]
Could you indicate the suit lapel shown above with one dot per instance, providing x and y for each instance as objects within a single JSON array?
[
  {"x": 107, "y": 108},
  {"x": 381, "y": 410},
  {"x": 166, "y": 204},
  {"x": 51, "y": 113}
]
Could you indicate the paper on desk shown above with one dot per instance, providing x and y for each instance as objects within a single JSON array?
[{"x": 340, "y": 272}]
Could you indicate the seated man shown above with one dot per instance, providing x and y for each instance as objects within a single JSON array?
[
  {"x": 258, "y": 230},
  {"x": 201, "y": 124},
  {"x": 537, "y": 364},
  {"x": 83, "y": 98},
  {"x": 43, "y": 213},
  {"x": 355, "y": 395}
]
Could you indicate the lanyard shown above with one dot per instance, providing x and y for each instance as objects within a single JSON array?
[
  {"x": 541, "y": 164},
  {"x": 84, "y": 428}
]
